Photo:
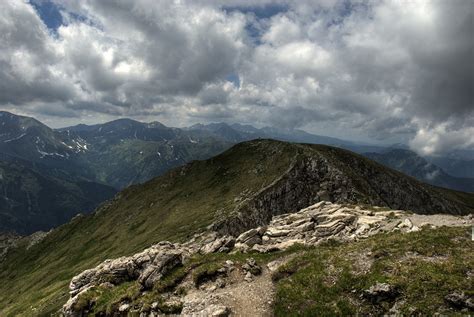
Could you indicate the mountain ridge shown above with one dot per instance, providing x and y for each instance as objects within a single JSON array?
[{"x": 240, "y": 188}]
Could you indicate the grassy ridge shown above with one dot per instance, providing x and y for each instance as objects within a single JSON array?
[{"x": 171, "y": 207}]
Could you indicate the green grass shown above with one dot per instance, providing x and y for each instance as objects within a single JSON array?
[{"x": 424, "y": 266}]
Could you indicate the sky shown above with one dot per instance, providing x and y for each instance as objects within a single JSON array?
[{"x": 375, "y": 71}]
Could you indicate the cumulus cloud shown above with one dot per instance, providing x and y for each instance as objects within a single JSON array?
[
  {"x": 442, "y": 138},
  {"x": 380, "y": 70}
]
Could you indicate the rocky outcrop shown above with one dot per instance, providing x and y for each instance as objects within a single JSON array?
[
  {"x": 315, "y": 224},
  {"x": 146, "y": 267},
  {"x": 310, "y": 226},
  {"x": 218, "y": 244},
  {"x": 306, "y": 182}
]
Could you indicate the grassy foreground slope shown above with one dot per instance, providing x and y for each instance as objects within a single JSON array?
[
  {"x": 188, "y": 199},
  {"x": 422, "y": 266},
  {"x": 329, "y": 279}
]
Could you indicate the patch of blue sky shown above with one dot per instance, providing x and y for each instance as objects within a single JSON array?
[
  {"x": 48, "y": 12},
  {"x": 260, "y": 13},
  {"x": 51, "y": 15},
  {"x": 234, "y": 79}
]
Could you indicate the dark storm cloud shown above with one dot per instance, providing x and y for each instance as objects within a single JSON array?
[{"x": 388, "y": 70}]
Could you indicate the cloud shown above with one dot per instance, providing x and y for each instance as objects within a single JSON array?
[
  {"x": 442, "y": 138},
  {"x": 28, "y": 58},
  {"x": 380, "y": 70}
]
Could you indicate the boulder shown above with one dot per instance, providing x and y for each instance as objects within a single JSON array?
[
  {"x": 330, "y": 229},
  {"x": 253, "y": 241},
  {"x": 252, "y": 267},
  {"x": 275, "y": 232},
  {"x": 160, "y": 266},
  {"x": 247, "y": 235},
  {"x": 222, "y": 244},
  {"x": 147, "y": 266},
  {"x": 220, "y": 311},
  {"x": 111, "y": 271},
  {"x": 380, "y": 292},
  {"x": 70, "y": 308}
]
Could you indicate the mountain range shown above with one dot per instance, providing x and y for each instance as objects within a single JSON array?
[{"x": 107, "y": 157}]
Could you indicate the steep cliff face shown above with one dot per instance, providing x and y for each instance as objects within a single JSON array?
[
  {"x": 307, "y": 181},
  {"x": 323, "y": 173}
]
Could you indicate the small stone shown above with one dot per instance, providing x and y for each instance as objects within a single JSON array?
[
  {"x": 380, "y": 292},
  {"x": 251, "y": 262},
  {"x": 248, "y": 277},
  {"x": 107, "y": 285},
  {"x": 220, "y": 283},
  {"x": 406, "y": 224},
  {"x": 362, "y": 229},
  {"x": 460, "y": 300},
  {"x": 124, "y": 307},
  {"x": 212, "y": 288},
  {"x": 414, "y": 229},
  {"x": 274, "y": 265},
  {"x": 220, "y": 311}
]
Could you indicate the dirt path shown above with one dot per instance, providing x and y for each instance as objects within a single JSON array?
[
  {"x": 439, "y": 220},
  {"x": 250, "y": 298},
  {"x": 240, "y": 297}
]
